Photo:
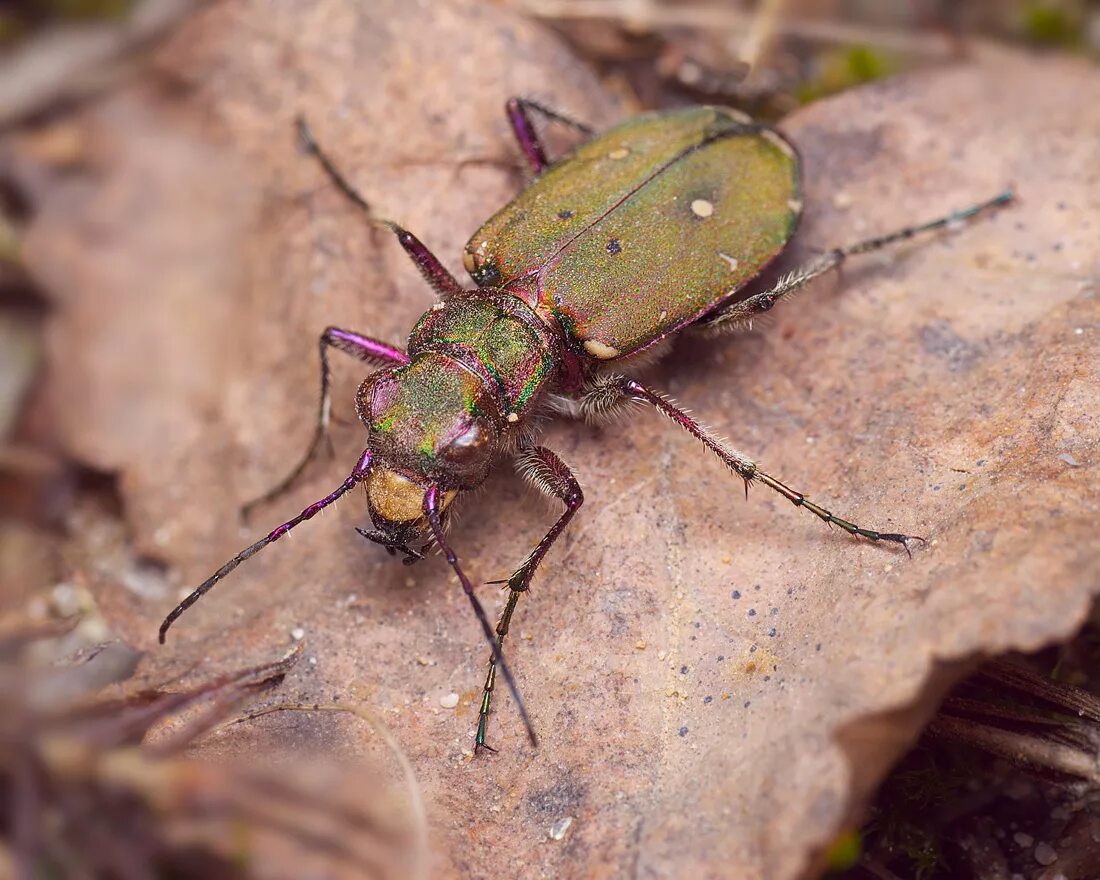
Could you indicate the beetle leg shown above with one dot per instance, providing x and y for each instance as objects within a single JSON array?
[
  {"x": 549, "y": 475},
  {"x": 609, "y": 390},
  {"x": 518, "y": 110},
  {"x": 431, "y": 511},
  {"x": 739, "y": 315},
  {"x": 433, "y": 271},
  {"x": 358, "y": 346}
]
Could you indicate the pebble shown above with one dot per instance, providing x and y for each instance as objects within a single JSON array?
[
  {"x": 297, "y": 633},
  {"x": 449, "y": 701},
  {"x": 1022, "y": 839},
  {"x": 560, "y": 828},
  {"x": 1045, "y": 854}
]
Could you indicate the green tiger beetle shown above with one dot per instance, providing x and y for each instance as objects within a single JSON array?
[{"x": 645, "y": 231}]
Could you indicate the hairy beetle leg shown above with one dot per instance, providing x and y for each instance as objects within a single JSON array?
[
  {"x": 429, "y": 266},
  {"x": 739, "y": 315},
  {"x": 519, "y": 110},
  {"x": 371, "y": 351},
  {"x": 550, "y": 475},
  {"x": 607, "y": 387}
]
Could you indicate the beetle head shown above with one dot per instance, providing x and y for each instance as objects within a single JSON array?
[{"x": 431, "y": 422}]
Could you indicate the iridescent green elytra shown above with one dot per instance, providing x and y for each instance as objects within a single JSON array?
[{"x": 645, "y": 230}]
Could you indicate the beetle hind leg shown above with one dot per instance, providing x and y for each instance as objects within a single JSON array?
[
  {"x": 550, "y": 475},
  {"x": 739, "y": 315},
  {"x": 608, "y": 390},
  {"x": 519, "y": 112}
]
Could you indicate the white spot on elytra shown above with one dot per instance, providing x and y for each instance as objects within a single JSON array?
[
  {"x": 599, "y": 350},
  {"x": 512, "y": 417},
  {"x": 663, "y": 315},
  {"x": 702, "y": 208},
  {"x": 620, "y": 153},
  {"x": 795, "y": 205},
  {"x": 731, "y": 260}
]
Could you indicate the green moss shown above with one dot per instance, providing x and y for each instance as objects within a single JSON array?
[
  {"x": 845, "y": 851},
  {"x": 1051, "y": 24},
  {"x": 846, "y": 67},
  {"x": 90, "y": 9}
]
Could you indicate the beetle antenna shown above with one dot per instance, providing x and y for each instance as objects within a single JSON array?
[
  {"x": 362, "y": 468},
  {"x": 431, "y": 509}
]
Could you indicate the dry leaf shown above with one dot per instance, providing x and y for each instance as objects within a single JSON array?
[
  {"x": 84, "y": 793},
  {"x": 947, "y": 388}
]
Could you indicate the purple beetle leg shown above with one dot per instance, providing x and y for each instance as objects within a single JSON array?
[
  {"x": 611, "y": 390},
  {"x": 519, "y": 110},
  {"x": 739, "y": 315},
  {"x": 432, "y": 512},
  {"x": 550, "y": 475},
  {"x": 431, "y": 269},
  {"x": 362, "y": 468},
  {"x": 371, "y": 351}
]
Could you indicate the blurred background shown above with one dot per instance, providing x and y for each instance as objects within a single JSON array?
[{"x": 1004, "y": 784}]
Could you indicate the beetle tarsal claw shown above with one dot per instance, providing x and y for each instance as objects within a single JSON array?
[{"x": 906, "y": 539}]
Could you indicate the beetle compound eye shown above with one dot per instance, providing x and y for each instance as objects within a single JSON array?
[
  {"x": 487, "y": 275},
  {"x": 482, "y": 269}
]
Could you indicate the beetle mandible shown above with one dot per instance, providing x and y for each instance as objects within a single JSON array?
[{"x": 641, "y": 232}]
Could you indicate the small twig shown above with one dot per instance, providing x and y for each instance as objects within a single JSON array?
[
  {"x": 1028, "y": 750},
  {"x": 1059, "y": 693},
  {"x": 722, "y": 18},
  {"x": 761, "y": 33},
  {"x": 73, "y": 62},
  {"x": 416, "y": 799}
]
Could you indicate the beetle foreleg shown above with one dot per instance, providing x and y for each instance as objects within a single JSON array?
[
  {"x": 518, "y": 110},
  {"x": 432, "y": 512},
  {"x": 739, "y": 315},
  {"x": 736, "y": 461},
  {"x": 433, "y": 271},
  {"x": 550, "y": 475},
  {"x": 371, "y": 351}
]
